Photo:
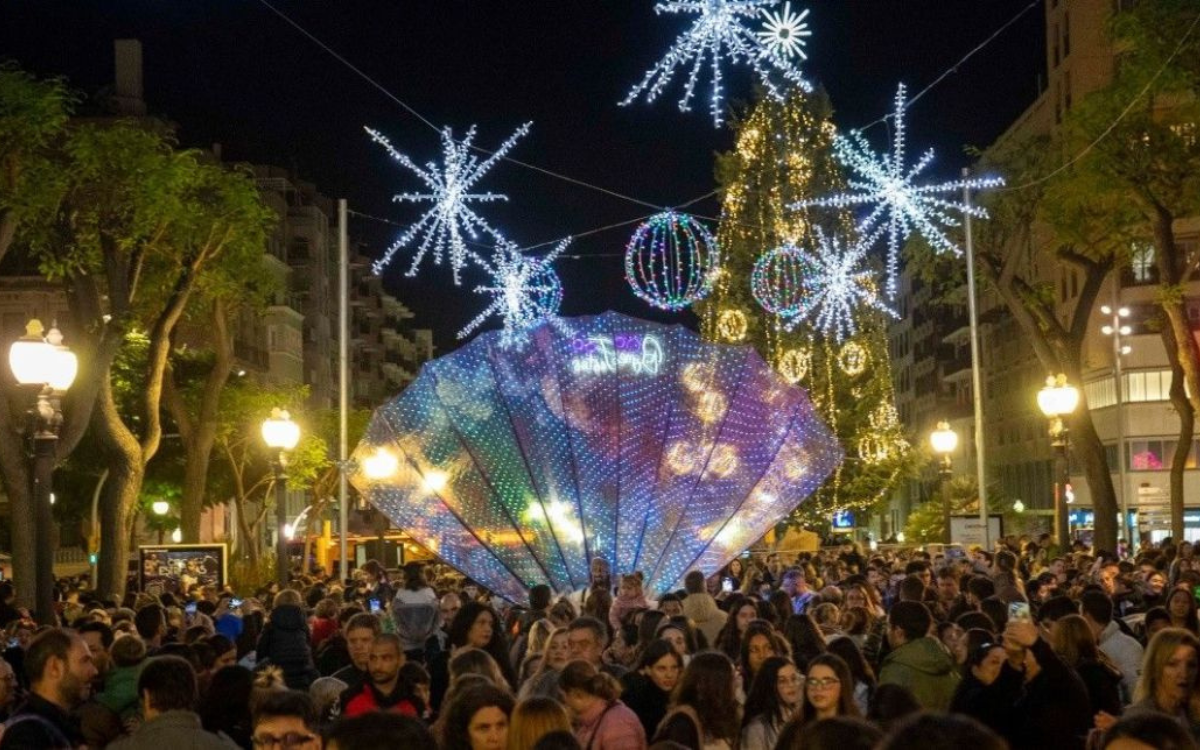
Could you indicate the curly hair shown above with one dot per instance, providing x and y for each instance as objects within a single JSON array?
[
  {"x": 464, "y": 706},
  {"x": 707, "y": 688}
]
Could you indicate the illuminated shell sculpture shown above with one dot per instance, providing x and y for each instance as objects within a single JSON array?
[{"x": 609, "y": 437}]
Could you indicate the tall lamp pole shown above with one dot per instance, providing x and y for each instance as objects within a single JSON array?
[
  {"x": 944, "y": 441},
  {"x": 281, "y": 435},
  {"x": 1058, "y": 399},
  {"x": 42, "y": 361},
  {"x": 1116, "y": 329}
]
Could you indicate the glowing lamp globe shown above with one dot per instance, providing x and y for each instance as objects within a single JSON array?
[
  {"x": 31, "y": 357},
  {"x": 64, "y": 365},
  {"x": 1058, "y": 398},
  {"x": 671, "y": 261},
  {"x": 161, "y": 507},
  {"x": 943, "y": 440},
  {"x": 280, "y": 432},
  {"x": 380, "y": 464}
]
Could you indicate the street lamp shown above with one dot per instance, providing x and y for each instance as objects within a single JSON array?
[
  {"x": 1117, "y": 328},
  {"x": 944, "y": 441},
  {"x": 160, "y": 508},
  {"x": 281, "y": 435},
  {"x": 43, "y": 361},
  {"x": 1057, "y": 400}
]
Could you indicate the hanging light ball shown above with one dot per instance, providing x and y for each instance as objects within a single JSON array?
[
  {"x": 794, "y": 364},
  {"x": 853, "y": 359},
  {"x": 732, "y": 325},
  {"x": 670, "y": 261},
  {"x": 782, "y": 280}
]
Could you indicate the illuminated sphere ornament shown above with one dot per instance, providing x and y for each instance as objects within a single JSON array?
[
  {"x": 671, "y": 260},
  {"x": 795, "y": 364},
  {"x": 782, "y": 280},
  {"x": 520, "y": 467},
  {"x": 732, "y": 325},
  {"x": 853, "y": 359}
]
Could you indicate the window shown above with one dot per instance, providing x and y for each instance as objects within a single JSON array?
[
  {"x": 1141, "y": 264},
  {"x": 1067, "y": 90}
]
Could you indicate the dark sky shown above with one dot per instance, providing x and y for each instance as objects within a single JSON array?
[{"x": 231, "y": 71}]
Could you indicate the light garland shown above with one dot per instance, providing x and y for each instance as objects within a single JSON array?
[
  {"x": 732, "y": 325},
  {"x": 442, "y": 227},
  {"x": 526, "y": 293},
  {"x": 899, "y": 204},
  {"x": 794, "y": 364},
  {"x": 671, "y": 260},
  {"x": 720, "y": 32},
  {"x": 853, "y": 359}
]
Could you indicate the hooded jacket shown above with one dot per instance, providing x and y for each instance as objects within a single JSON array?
[
  {"x": 284, "y": 643},
  {"x": 416, "y": 616},
  {"x": 923, "y": 666},
  {"x": 702, "y": 610}
]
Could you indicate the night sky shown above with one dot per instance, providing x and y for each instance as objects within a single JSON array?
[{"x": 233, "y": 72}]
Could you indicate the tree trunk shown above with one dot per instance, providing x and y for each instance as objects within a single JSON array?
[
  {"x": 1172, "y": 270},
  {"x": 127, "y": 470},
  {"x": 1086, "y": 446},
  {"x": 16, "y": 481},
  {"x": 1187, "y": 428}
]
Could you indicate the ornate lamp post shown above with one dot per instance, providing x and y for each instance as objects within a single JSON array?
[
  {"x": 1057, "y": 400},
  {"x": 944, "y": 441},
  {"x": 281, "y": 435},
  {"x": 43, "y": 361}
]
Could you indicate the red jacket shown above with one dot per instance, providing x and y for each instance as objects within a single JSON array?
[
  {"x": 365, "y": 698},
  {"x": 322, "y": 628}
]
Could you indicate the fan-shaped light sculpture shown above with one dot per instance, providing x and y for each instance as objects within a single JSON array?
[{"x": 610, "y": 437}]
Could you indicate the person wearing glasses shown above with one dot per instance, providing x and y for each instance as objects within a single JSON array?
[
  {"x": 774, "y": 698},
  {"x": 285, "y": 720},
  {"x": 828, "y": 691}
]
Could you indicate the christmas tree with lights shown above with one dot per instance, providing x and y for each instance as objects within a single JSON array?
[{"x": 784, "y": 156}]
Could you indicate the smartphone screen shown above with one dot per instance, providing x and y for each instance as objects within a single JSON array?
[
  {"x": 1019, "y": 612},
  {"x": 190, "y": 608},
  {"x": 374, "y": 605},
  {"x": 235, "y": 603},
  {"x": 727, "y": 585}
]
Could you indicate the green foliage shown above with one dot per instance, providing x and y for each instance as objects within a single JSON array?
[
  {"x": 927, "y": 522},
  {"x": 784, "y": 154}
]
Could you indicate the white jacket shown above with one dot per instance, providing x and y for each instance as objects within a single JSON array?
[{"x": 1126, "y": 654}]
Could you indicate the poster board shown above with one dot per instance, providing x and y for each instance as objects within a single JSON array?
[
  {"x": 968, "y": 531},
  {"x": 175, "y": 567}
]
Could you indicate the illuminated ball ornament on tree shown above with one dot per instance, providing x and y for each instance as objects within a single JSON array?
[
  {"x": 794, "y": 364},
  {"x": 853, "y": 359},
  {"x": 671, "y": 261},
  {"x": 732, "y": 325},
  {"x": 899, "y": 204},
  {"x": 782, "y": 280},
  {"x": 442, "y": 227},
  {"x": 721, "y": 32}
]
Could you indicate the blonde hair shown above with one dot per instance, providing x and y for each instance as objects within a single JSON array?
[
  {"x": 539, "y": 636},
  {"x": 1160, "y": 650},
  {"x": 476, "y": 661},
  {"x": 534, "y": 718}
]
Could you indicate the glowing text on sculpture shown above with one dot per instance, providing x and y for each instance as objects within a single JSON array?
[{"x": 633, "y": 353}]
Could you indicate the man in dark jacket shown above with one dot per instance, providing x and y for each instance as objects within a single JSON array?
[
  {"x": 386, "y": 690},
  {"x": 285, "y": 642},
  {"x": 60, "y": 671}
]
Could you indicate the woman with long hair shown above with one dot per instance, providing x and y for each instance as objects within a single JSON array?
[
  {"x": 704, "y": 707},
  {"x": 989, "y": 686},
  {"x": 476, "y": 661},
  {"x": 864, "y": 677},
  {"x": 475, "y": 626},
  {"x": 1075, "y": 643},
  {"x": 544, "y": 680},
  {"x": 648, "y": 687},
  {"x": 805, "y": 638},
  {"x": 1168, "y": 674},
  {"x": 774, "y": 698},
  {"x": 682, "y": 636},
  {"x": 742, "y": 610},
  {"x": 828, "y": 690},
  {"x": 759, "y": 643},
  {"x": 477, "y": 719},
  {"x": 648, "y": 629},
  {"x": 601, "y": 721},
  {"x": 534, "y": 718},
  {"x": 1181, "y": 606}
]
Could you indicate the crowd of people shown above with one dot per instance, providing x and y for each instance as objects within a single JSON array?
[{"x": 1016, "y": 647}]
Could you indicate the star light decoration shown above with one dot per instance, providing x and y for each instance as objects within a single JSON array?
[
  {"x": 900, "y": 205},
  {"x": 442, "y": 227},
  {"x": 526, "y": 293},
  {"x": 784, "y": 33},
  {"x": 721, "y": 32},
  {"x": 839, "y": 285}
]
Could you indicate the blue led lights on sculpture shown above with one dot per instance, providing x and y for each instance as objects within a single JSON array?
[
  {"x": 450, "y": 217},
  {"x": 899, "y": 204},
  {"x": 671, "y": 261},
  {"x": 720, "y": 32},
  {"x": 782, "y": 280},
  {"x": 608, "y": 437}
]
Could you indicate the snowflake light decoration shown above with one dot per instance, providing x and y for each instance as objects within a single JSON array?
[
  {"x": 442, "y": 227},
  {"x": 719, "y": 32},
  {"x": 526, "y": 292},
  {"x": 838, "y": 288},
  {"x": 901, "y": 205},
  {"x": 784, "y": 33}
]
